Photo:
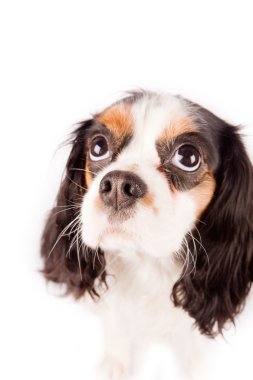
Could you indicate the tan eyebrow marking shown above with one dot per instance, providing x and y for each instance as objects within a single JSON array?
[
  {"x": 178, "y": 127},
  {"x": 118, "y": 119}
]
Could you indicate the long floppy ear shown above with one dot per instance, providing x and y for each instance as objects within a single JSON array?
[
  {"x": 215, "y": 291},
  {"x": 66, "y": 259}
]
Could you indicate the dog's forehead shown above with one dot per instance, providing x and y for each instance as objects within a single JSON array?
[
  {"x": 157, "y": 115},
  {"x": 148, "y": 119}
]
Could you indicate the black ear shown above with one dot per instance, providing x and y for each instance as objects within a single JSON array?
[
  {"x": 215, "y": 291},
  {"x": 66, "y": 259}
]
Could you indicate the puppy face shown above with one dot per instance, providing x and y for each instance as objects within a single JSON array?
[
  {"x": 149, "y": 174},
  {"x": 156, "y": 175}
]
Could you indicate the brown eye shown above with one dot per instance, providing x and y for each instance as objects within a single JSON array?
[
  {"x": 99, "y": 149},
  {"x": 187, "y": 158}
]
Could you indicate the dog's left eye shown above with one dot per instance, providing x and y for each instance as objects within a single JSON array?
[
  {"x": 187, "y": 158},
  {"x": 99, "y": 149}
]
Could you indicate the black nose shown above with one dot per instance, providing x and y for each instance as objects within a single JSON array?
[{"x": 120, "y": 189}]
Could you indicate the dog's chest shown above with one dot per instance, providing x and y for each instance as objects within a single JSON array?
[{"x": 139, "y": 296}]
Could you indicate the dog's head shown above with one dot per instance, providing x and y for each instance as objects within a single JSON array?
[{"x": 157, "y": 175}]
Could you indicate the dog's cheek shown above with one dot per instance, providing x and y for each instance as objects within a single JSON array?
[
  {"x": 161, "y": 223},
  {"x": 203, "y": 193}
]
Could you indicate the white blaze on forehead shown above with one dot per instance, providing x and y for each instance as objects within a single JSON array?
[{"x": 151, "y": 115}]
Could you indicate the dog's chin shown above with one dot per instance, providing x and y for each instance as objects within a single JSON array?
[
  {"x": 122, "y": 243},
  {"x": 117, "y": 240}
]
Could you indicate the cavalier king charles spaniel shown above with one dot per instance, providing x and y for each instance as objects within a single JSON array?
[{"x": 154, "y": 221}]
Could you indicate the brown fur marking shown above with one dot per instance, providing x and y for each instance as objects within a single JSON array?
[
  {"x": 88, "y": 176},
  {"x": 203, "y": 193},
  {"x": 178, "y": 127},
  {"x": 118, "y": 119}
]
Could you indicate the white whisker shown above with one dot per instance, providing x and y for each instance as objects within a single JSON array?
[
  {"x": 84, "y": 170},
  {"x": 75, "y": 183},
  {"x": 63, "y": 232},
  {"x": 66, "y": 209},
  {"x": 78, "y": 250}
]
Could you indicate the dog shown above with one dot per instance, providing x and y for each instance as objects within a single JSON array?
[{"x": 154, "y": 221}]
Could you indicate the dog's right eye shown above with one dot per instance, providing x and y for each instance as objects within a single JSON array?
[{"x": 99, "y": 149}]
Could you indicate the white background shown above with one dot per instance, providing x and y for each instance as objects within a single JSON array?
[{"x": 60, "y": 61}]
